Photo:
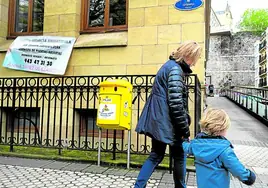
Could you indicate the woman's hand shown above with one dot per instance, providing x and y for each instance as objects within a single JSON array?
[
  {"x": 189, "y": 119},
  {"x": 186, "y": 139}
]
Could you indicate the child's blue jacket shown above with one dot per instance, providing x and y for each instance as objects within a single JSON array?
[{"x": 214, "y": 159}]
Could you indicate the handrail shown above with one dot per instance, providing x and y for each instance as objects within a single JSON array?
[
  {"x": 253, "y": 100},
  {"x": 250, "y": 87}
]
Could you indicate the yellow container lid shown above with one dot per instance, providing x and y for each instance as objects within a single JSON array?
[{"x": 114, "y": 83}]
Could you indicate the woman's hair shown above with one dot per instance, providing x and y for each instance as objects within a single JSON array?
[
  {"x": 215, "y": 122},
  {"x": 189, "y": 49}
]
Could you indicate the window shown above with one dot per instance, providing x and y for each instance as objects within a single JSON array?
[
  {"x": 26, "y": 17},
  {"x": 225, "y": 45},
  {"x": 25, "y": 119},
  {"x": 104, "y": 15},
  {"x": 88, "y": 118}
]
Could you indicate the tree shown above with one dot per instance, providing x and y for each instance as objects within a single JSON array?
[{"x": 254, "y": 20}]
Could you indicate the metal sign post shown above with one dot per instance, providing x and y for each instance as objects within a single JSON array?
[
  {"x": 99, "y": 149},
  {"x": 128, "y": 148},
  {"x": 115, "y": 111}
]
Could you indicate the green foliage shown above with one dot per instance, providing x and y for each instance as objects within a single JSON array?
[{"x": 254, "y": 20}]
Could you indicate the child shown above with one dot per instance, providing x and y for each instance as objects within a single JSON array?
[{"x": 214, "y": 155}]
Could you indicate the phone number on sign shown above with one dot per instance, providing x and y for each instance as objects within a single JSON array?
[{"x": 38, "y": 62}]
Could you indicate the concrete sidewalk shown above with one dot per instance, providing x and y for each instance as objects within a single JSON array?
[
  {"x": 248, "y": 135},
  {"x": 27, "y": 173},
  {"x": 31, "y": 173}
]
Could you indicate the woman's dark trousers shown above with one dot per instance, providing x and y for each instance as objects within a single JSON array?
[{"x": 156, "y": 156}]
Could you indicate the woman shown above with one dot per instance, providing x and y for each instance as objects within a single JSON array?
[{"x": 164, "y": 117}]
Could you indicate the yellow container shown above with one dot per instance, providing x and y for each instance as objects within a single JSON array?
[{"x": 115, "y": 103}]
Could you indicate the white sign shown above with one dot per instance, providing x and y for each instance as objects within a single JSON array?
[
  {"x": 42, "y": 54},
  {"x": 107, "y": 111}
]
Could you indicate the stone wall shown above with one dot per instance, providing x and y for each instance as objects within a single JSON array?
[
  {"x": 3, "y": 19},
  {"x": 155, "y": 28},
  {"x": 231, "y": 57}
]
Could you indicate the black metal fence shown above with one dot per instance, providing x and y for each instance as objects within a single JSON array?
[
  {"x": 253, "y": 100},
  {"x": 60, "y": 112}
]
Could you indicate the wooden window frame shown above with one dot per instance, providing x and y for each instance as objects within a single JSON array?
[
  {"x": 11, "y": 21},
  {"x": 106, "y": 28}
]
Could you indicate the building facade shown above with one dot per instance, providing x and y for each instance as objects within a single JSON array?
[
  {"x": 231, "y": 55},
  {"x": 261, "y": 71},
  {"x": 138, "y": 44},
  {"x": 113, "y": 37},
  {"x": 231, "y": 58}
]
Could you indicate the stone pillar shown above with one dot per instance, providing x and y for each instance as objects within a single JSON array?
[
  {"x": 3, "y": 19},
  {"x": 62, "y": 17}
]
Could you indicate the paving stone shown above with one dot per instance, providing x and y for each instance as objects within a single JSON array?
[
  {"x": 27, "y": 162},
  {"x": 167, "y": 178},
  {"x": 259, "y": 170},
  {"x": 95, "y": 169},
  {"x": 263, "y": 179},
  {"x": 133, "y": 174},
  {"x": 166, "y": 185},
  {"x": 56, "y": 165},
  {"x": 39, "y": 177},
  {"x": 117, "y": 172},
  {"x": 157, "y": 175},
  {"x": 51, "y": 178}
]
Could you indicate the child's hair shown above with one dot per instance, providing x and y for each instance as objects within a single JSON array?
[{"x": 215, "y": 122}]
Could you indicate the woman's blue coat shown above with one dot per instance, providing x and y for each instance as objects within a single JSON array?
[{"x": 164, "y": 116}]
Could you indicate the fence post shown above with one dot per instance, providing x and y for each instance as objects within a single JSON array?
[
  {"x": 265, "y": 95},
  {"x": 197, "y": 105},
  {"x": 266, "y": 112},
  {"x": 247, "y": 102},
  {"x": 99, "y": 148},
  {"x": 128, "y": 148},
  {"x": 257, "y": 106},
  {"x": 11, "y": 149},
  {"x": 251, "y": 105},
  {"x": 114, "y": 146}
]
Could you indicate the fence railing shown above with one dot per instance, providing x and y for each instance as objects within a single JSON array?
[
  {"x": 254, "y": 100},
  {"x": 60, "y": 112}
]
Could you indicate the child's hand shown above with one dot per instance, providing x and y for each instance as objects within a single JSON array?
[
  {"x": 186, "y": 139},
  {"x": 251, "y": 179}
]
